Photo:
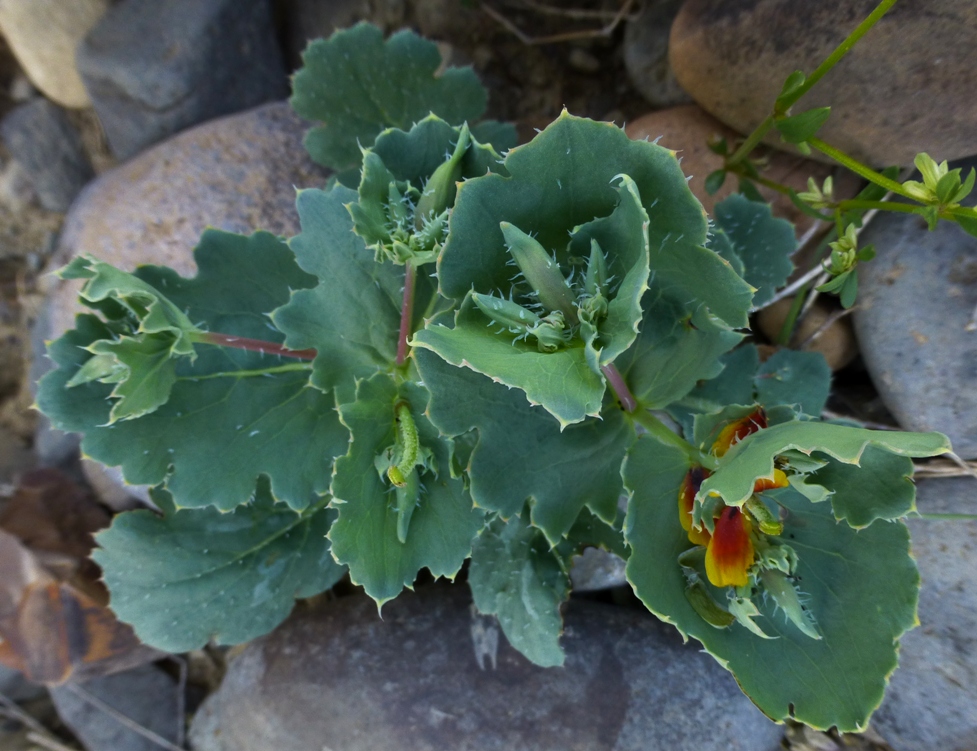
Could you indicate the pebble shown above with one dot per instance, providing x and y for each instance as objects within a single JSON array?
[
  {"x": 931, "y": 702},
  {"x": 687, "y": 129},
  {"x": 646, "y": 54},
  {"x": 905, "y": 87},
  {"x": 597, "y": 569},
  {"x": 815, "y": 332},
  {"x": 43, "y": 140},
  {"x": 915, "y": 301},
  {"x": 44, "y": 35},
  {"x": 155, "y": 67},
  {"x": 146, "y": 695},
  {"x": 341, "y": 678}
]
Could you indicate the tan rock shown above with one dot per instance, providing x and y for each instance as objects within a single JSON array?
[
  {"x": 688, "y": 130},
  {"x": 238, "y": 173},
  {"x": 815, "y": 333},
  {"x": 44, "y": 35},
  {"x": 906, "y": 87}
]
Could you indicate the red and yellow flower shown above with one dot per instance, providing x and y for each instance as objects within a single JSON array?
[{"x": 737, "y": 430}]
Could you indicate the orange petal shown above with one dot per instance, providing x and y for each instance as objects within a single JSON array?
[
  {"x": 686, "y": 501},
  {"x": 779, "y": 480},
  {"x": 737, "y": 430},
  {"x": 730, "y": 551}
]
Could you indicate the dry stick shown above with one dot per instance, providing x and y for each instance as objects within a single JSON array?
[
  {"x": 12, "y": 709},
  {"x": 568, "y": 36},
  {"x": 116, "y": 715},
  {"x": 575, "y": 13},
  {"x": 45, "y": 741}
]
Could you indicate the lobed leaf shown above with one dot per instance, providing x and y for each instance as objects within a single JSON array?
[
  {"x": 799, "y": 379},
  {"x": 190, "y": 576},
  {"x": 522, "y": 455},
  {"x": 233, "y": 415},
  {"x": 861, "y": 586},
  {"x": 365, "y": 535},
  {"x": 358, "y": 85},
  {"x": 518, "y": 578}
]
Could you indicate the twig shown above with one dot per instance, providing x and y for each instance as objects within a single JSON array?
[
  {"x": 967, "y": 468},
  {"x": 116, "y": 715},
  {"x": 831, "y": 415},
  {"x": 939, "y": 468},
  {"x": 181, "y": 700},
  {"x": 791, "y": 288},
  {"x": 46, "y": 741},
  {"x": 575, "y": 13},
  {"x": 11, "y": 709},
  {"x": 567, "y": 36},
  {"x": 829, "y": 322}
]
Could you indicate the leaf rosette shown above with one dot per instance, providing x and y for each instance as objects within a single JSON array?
[{"x": 552, "y": 261}]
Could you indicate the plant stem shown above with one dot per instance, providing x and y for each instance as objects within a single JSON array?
[
  {"x": 252, "y": 345},
  {"x": 751, "y": 142},
  {"x": 905, "y": 208},
  {"x": 406, "y": 312},
  {"x": 660, "y": 431},
  {"x": 858, "y": 168},
  {"x": 840, "y": 51},
  {"x": 620, "y": 388}
]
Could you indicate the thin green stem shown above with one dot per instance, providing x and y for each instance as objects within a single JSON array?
[
  {"x": 289, "y": 368},
  {"x": 406, "y": 312},
  {"x": 751, "y": 142},
  {"x": 661, "y": 432},
  {"x": 905, "y": 208},
  {"x": 858, "y": 168},
  {"x": 840, "y": 51}
]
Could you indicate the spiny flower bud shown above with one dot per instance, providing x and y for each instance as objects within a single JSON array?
[{"x": 542, "y": 272}]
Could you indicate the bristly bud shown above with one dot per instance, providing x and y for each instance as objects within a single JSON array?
[
  {"x": 782, "y": 590},
  {"x": 595, "y": 283},
  {"x": 550, "y": 331},
  {"x": 541, "y": 272},
  {"x": 439, "y": 193}
]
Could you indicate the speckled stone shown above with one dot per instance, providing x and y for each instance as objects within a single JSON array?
[
  {"x": 931, "y": 702},
  {"x": 646, "y": 54},
  {"x": 428, "y": 677},
  {"x": 906, "y": 87},
  {"x": 914, "y": 303},
  {"x": 238, "y": 174}
]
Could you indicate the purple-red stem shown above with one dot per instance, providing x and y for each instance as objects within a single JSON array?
[
  {"x": 406, "y": 312},
  {"x": 619, "y": 387},
  {"x": 255, "y": 345}
]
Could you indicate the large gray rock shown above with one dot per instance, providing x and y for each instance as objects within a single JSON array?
[
  {"x": 431, "y": 676},
  {"x": 646, "y": 54},
  {"x": 154, "y": 67},
  {"x": 146, "y": 695},
  {"x": 42, "y": 139},
  {"x": 914, "y": 303},
  {"x": 906, "y": 87},
  {"x": 931, "y": 702}
]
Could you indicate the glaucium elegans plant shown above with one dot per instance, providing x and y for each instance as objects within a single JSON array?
[{"x": 468, "y": 352}]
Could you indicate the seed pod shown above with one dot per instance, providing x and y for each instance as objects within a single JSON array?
[
  {"x": 542, "y": 272},
  {"x": 507, "y": 313},
  {"x": 595, "y": 282},
  {"x": 708, "y": 609},
  {"x": 769, "y": 524},
  {"x": 782, "y": 590},
  {"x": 439, "y": 193}
]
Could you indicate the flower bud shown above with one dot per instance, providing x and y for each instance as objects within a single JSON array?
[{"x": 542, "y": 272}]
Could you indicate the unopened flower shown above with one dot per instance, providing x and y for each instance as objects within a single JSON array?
[{"x": 730, "y": 554}]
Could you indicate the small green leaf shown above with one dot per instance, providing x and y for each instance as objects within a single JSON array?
[
  {"x": 879, "y": 487},
  {"x": 764, "y": 244},
  {"x": 799, "y": 128},
  {"x": 714, "y": 181},
  {"x": 753, "y": 457},
  {"x": 849, "y": 290},
  {"x": 195, "y": 575},
  {"x": 799, "y": 379},
  {"x": 794, "y": 81},
  {"x": 748, "y": 189},
  {"x": 358, "y": 85},
  {"x": 516, "y": 576},
  {"x": 860, "y": 587},
  {"x": 522, "y": 453},
  {"x": 365, "y": 535}
]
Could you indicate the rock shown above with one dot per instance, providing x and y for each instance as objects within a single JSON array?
[
  {"x": 42, "y": 139},
  {"x": 15, "y": 686},
  {"x": 904, "y": 88},
  {"x": 146, "y": 695},
  {"x": 237, "y": 174},
  {"x": 597, "y": 569},
  {"x": 835, "y": 340},
  {"x": 339, "y": 677},
  {"x": 931, "y": 702},
  {"x": 914, "y": 303},
  {"x": 44, "y": 35},
  {"x": 154, "y": 67},
  {"x": 646, "y": 54},
  {"x": 688, "y": 130},
  {"x": 15, "y": 457},
  {"x": 306, "y": 20}
]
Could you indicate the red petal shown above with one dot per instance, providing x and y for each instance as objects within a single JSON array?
[
  {"x": 737, "y": 430},
  {"x": 730, "y": 552}
]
